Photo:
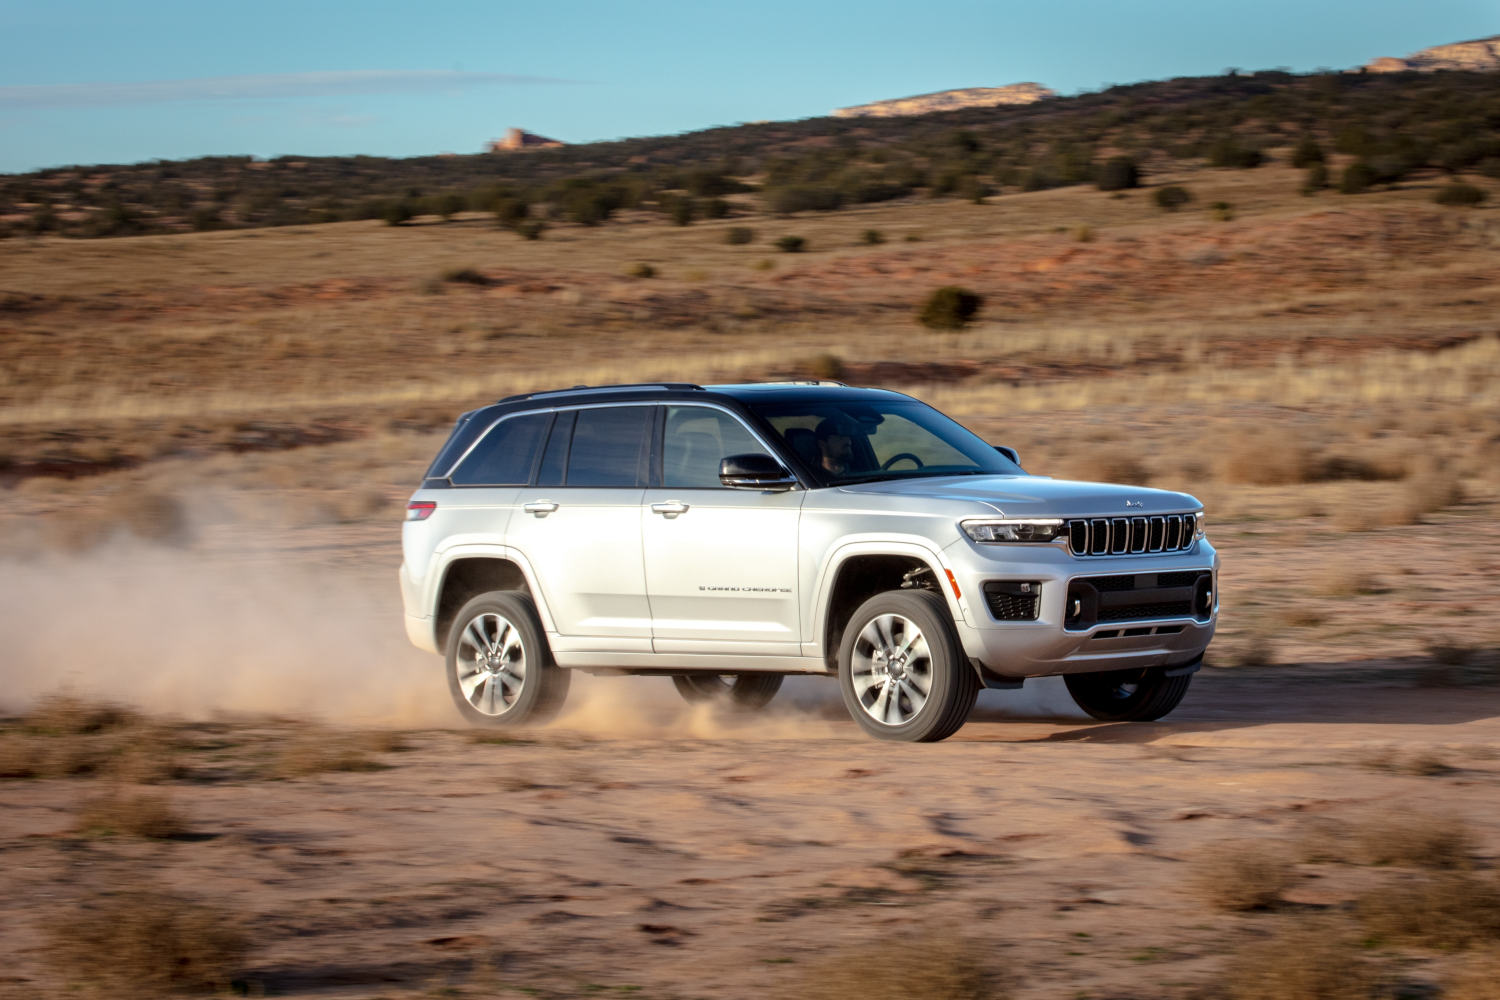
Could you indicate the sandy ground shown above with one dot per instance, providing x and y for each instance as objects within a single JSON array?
[{"x": 643, "y": 846}]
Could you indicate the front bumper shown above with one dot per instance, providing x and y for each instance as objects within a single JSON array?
[{"x": 1047, "y": 646}]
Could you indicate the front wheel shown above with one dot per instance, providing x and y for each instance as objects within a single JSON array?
[
  {"x": 902, "y": 671},
  {"x": 1127, "y": 695},
  {"x": 500, "y": 671},
  {"x": 741, "y": 691}
]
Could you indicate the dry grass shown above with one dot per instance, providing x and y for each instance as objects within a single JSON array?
[
  {"x": 1419, "y": 840},
  {"x": 65, "y": 736},
  {"x": 144, "y": 942},
  {"x": 131, "y": 814},
  {"x": 1476, "y": 977},
  {"x": 1303, "y": 959},
  {"x": 1241, "y": 875},
  {"x": 935, "y": 965},
  {"x": 1445, "y": 910},
  {"x": 320, "y": 752}
]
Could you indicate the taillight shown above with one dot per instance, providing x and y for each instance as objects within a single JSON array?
[{"x": 420, "y": 510}]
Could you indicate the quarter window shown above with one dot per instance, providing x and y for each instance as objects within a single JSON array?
[{"x": 503, "y": 457}]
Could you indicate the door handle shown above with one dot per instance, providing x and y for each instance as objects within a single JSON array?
[
  {"x": 541, "y": 508},
  {"x": 670, "y": 509}
]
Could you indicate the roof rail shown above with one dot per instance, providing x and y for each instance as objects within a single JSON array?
[{"x": 601, "y": 388}]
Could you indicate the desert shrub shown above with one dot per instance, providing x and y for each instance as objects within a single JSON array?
[
  {"x": 511, "y": 212},
  {"x": 1414, "y": 839},
  {"x": 1263, "y": 460},
  {"x": 1357, "y": 178},
  {"x": 937, "y": 965},
  {"x": 825, "y": 366},
  {"x": 1083, "y": 233},
  {"x": 142, "y": 941},
  {"x": 450, "y": 204},
  {"x": 319, "y": 752},
  {"x": 971, "y": 188},
  {"x": 716, "y": 208},
  {"x": 132, "y": 815},
  {"x": 1172, "y": 197},
  {"x": 66, "y": 714},
  {"x": 1438, "y": 910},
  {"x": 764, "y": 264},
  {"x": 871, "y": 237},
  {"x": 397, "y": 213},
  {"x": 1459, "y": 195},
  {"x": 950, "y": 308},
  {"x": 791, "y": 244},
  {"x": 641, "y": 270},
  {"x": 1430, "y": 486},
  {"x": 1307, "y": 152},
  {"x": 1241, "y": 875},
  {"x": 1227, "y": 152},
  {"x": 681, "y": 211},
  {"x": 1316, "y": 178},
  {"x": 1118, "y": 174},
  {"x": 1303, "y": 959},
  {"x": 206, "y": 219},
  {"x": 531, "y": 230},
  {"x": 1222, "y": 211},
  {"x": 465, "y": 276},
  {"x": 739, "y": 235},
  {"x": 803, "y": 198}
]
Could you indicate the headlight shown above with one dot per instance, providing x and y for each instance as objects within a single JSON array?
[
  {"x": 1198, "y": 521},
  {"x": 1034, "y": 530}
]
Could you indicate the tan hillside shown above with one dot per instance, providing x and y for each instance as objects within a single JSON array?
[
  {"x": 1480, "y": 54},
  {"x": 950, "y": 100}
]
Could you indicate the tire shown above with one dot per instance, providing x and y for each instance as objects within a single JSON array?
[
  {"x": 511, "y": 681},
  {"x": 747, "y": 692},
  {"x": 883, "y": 624},
  {"x": 1127, "y": 695}
]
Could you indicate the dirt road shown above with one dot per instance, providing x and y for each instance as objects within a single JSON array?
[{"x": 680, "y": 854}]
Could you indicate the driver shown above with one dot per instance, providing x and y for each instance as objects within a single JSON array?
[{"x": 835, "y": 437}]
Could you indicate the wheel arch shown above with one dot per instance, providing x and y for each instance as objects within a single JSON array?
[
  {"x": 471, "y": 570},
  {"x": 857, "y": 571}
]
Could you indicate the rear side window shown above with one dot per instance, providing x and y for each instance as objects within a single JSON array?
[
  {"x": 503, "y": 457},
  {"x": 609, "y": 446}
]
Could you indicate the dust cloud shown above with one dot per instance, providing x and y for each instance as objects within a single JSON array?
[{"x": 213, "y": 633}]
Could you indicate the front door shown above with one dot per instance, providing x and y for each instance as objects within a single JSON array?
[{"x": 721, "y": 564}]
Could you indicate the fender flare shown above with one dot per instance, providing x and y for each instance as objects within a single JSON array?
[
  {"x": 848, "y": 548},
  {"x": 444, "y": 558}
]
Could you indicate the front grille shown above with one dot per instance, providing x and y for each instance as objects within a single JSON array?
[
  {"x": 1137, "y": 612},
  {"x": 1013, "y": 601},
  {"x": 1118, "y": 536},
  {"x": 1092, "y": 600}
]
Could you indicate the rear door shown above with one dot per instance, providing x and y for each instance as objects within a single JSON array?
[
  {"x": 721, "y": 564},
  {"x": 579, "y": 526}
]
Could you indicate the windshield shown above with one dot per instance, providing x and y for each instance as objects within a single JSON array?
[{"x": 858, "y": 442}]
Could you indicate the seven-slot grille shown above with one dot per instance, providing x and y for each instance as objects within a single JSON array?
[{"x": 1118, "y": 536}]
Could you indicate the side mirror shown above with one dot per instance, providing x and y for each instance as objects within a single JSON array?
[
  {"x": 1009, "y": 453},
  {"x": 755, "y": 471}
]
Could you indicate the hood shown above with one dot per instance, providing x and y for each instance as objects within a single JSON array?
[{"x": 1035, "y": 496}]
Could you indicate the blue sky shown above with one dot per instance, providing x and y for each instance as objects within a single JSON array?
[{"x": 87, "y": 81}]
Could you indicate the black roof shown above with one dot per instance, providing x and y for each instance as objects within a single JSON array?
[{"x": 472, "y": 424}]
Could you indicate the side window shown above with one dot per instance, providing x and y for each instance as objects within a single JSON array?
[
  {"x": 696, "y": 439},
  {"x": 609, "y": 443},
  {"x": 503, "y": 457}
]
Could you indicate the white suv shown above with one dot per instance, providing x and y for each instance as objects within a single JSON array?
[{"x": 729, "y": 535}]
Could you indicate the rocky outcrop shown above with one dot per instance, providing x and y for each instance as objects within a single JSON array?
[
  {"x": 1481, "y": 54},
  {"x": 949, "y": 100},
  {"x": 518, "y": 139}
]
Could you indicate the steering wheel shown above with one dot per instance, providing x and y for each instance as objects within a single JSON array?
[{"x": 896, "y": 458}]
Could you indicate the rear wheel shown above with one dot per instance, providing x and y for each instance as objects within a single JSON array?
[
  {"x": 902, "y": 671},
  {"x": 1127, "y": 695},
  {"x": 747, "y": 691},
  {"x": 500, "y": 671}
]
